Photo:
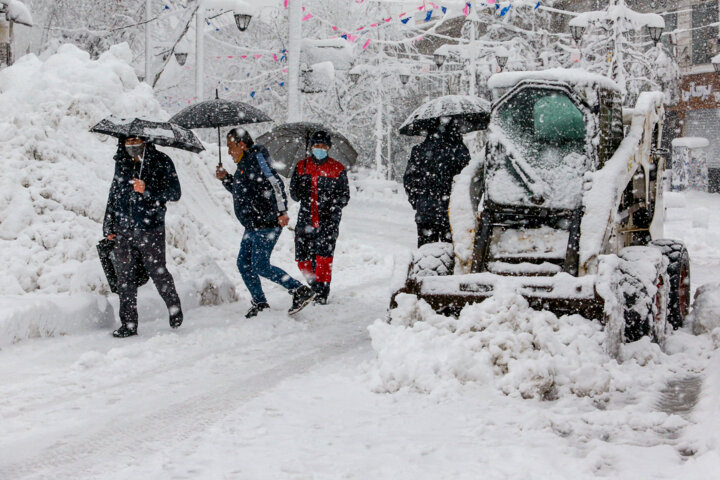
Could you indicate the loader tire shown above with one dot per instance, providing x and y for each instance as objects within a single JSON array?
[
  {"x": 679, "y": 273},
  {"x": 645, "y": 312},
  {"x": 433, "y": 259}
]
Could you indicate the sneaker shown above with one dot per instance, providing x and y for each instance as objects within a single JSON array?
[
  {"x": 302, "y": 296},
  {"x": 125, "y": 331},
  {"x": 176, "y": 319},
  {"x": 320, "y": 300},
  {"x": 256, "y": 308}
]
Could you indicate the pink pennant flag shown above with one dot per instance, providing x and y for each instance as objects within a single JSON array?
[
  {"x": 366, "y": 44},
  {"x": 402, "y": 15},
  {"x": 258, "y": 56},
  {"x": 286, "y": 2},
  {"x": 421, "y": 7},
  {"x": 244, "y": 57},
  {"x": 360, "y": 29},
  {"x": 285, "y": 70},
  {"x": 388, "y": 19},
  {"x": 491, "y": 2},
  {"x": 307, "y": 17},
  {"x": 335, "y": 29},
  {"x": 230, "y": 56},
  {"x": 352, "y": 37},
  {"x": 373, "y": 25},
  {"x": 275, "y": 57},
  {"x": 466, "y": 9}
]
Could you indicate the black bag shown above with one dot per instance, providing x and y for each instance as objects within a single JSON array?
[{"x": 105, "y": 249}]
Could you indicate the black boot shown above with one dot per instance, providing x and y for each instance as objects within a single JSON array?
[
  {"x": 323, "y": 292},
  {"x": 256, "y": 308},
  {"x": 176, "y": 317},
  {"x": 302, "y": 296},
  {"x": 127, "y": 330}
]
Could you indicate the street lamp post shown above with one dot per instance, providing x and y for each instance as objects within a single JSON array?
[
  {"x": 242, "y": 16},
  {"x": 616, "y": 21}
]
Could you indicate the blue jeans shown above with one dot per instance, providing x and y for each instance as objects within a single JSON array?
[{"x": 254, "y": 262}]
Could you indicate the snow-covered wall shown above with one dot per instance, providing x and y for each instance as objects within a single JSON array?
[{"x": 56, "y": 175}]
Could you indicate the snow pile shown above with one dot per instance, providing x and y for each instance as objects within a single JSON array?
[
  {"x": 35, "y": 316},
  {"x": 56, "y": 177},
  {"x": 522, "y": 352},
  {"x": 705, "y": 315}
]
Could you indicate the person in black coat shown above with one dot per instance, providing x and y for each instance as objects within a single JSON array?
[
  {"x": 145, "y": 180},
  {"x": 261, "y": 207},
  {"x": 428, "y": 182},
  {"x": 320, "y": 184}
]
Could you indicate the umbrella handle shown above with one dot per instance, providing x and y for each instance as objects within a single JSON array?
[{"x": 219, "y": 147}]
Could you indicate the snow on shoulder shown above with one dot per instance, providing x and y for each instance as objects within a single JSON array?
[{"x": 573, "y": 76}]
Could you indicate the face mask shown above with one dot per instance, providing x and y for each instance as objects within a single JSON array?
[
  {"x": 135, "y": 150},
  {"x": 319, "y": 153}
]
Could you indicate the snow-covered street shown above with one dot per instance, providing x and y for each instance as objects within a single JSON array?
[
  {"x": 538, "y": 161},
  {"x": 275, "y": 397}
]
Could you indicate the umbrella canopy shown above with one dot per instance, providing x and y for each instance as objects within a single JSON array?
[
  {"x": 219, "y": 113},
  {"x": 159, "y": 133},
  {"x": 468, "y": 113},
  {"x": 288, "y": 143}
]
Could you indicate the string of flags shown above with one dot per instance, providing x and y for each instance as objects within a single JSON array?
[{"x": 432, "y": 10}]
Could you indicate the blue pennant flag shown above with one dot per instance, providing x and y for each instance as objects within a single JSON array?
[
  {"x": 429, "y": 15},
  {"x": 252, "y": 94},
  {"x": 404, "y": 20},
  {"x": 537, "y": 6},
  {"x": 444, "y": 9},
  {"x": 282, "y": 84},
  {"x": 505, "y": 10}
]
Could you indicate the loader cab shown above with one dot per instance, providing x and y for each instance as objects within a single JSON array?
[{"x": 546, "y": 133}]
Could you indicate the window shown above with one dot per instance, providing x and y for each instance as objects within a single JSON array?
[
  {"x": 540, "y": 157},
  {"x": 703, "y": 14},
  {"x": 671, "y": 23}
]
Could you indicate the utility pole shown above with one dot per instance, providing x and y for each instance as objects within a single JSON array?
[
  {"x": 294, "y": 50},
  {"x": 148, "y": 41},
  {"x": 199, "y": 51}
]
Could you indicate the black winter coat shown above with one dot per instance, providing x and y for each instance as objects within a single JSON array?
[
  {"x": 258, "y": 191},
  {"x": 128, "y": 210},
  {"x": 323, "y": 191},
  {"x": 432, "y": 166}
]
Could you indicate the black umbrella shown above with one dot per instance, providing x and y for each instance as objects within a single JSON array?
[
  {"x": 289, "y": 142},
  {"x": 219, "y": 113},
  {"x": 160, "y": 133},
  {"x": 466, "y": 112}
]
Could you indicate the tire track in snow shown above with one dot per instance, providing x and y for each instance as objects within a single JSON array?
[{"x": 178, "y": 421}]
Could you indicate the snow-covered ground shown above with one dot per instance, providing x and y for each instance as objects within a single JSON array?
[
  {"x": 503, "y": 392},
  {"x": 225, "y": 397}
]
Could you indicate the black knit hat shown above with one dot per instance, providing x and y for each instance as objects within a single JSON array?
[
  {"x": 241, "y": 135},
  {"x": 321, "y": 137}
]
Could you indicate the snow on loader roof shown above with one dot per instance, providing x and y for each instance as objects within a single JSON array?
[{"x": 575, "y": 77}]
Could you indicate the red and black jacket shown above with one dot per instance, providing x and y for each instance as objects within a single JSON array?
[{"x": 322, "y": 189}]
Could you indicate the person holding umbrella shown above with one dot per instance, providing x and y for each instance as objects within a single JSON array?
[
  {"x": 144, "y": 181},
  {"x": 320, "y": 184},
  {"x": 261, "y": 207},
  {"x": 428, "y": 180}
]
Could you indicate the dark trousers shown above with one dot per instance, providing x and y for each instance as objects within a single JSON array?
[
  {"x": 314, "y": 253},
  {"x": 147, "y": 247},
  {"x": 433, "y": 221},
  {"x": 254, "y": 262}
]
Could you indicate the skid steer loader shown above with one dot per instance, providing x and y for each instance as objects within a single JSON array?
[{"x": 566, "y": 210}]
